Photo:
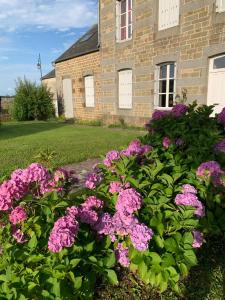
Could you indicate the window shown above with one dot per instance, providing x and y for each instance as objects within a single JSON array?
[
  {"x": 124, "y": 20},
  {"x": 169, "y": 11},
  {"x": 165, "y": 85},
  {"x": 125, "y": 89},
  {"x": 219, "y": 62},
  {"x": 89, "y": 91},
  {"x": 220, "y": 5}
]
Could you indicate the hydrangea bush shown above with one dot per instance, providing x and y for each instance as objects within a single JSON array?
[{"x": 148, "y": 208}]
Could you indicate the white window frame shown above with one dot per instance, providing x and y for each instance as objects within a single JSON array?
[
  {"x": 219, "y": 6},
  {"x": 211, "y": 64},
  {"x": 168, "y": 78},
  {"x": 87, "y": 102},
  {"x": 120, "y": 103},
  {"x": 118, "y": 20}
]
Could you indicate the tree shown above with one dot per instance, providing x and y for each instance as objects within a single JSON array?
[{"x": 32, "y": 101}]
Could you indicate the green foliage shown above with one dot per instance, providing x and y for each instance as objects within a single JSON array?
[
  {"x": 30, "y": 271},
  {"x": 32, "y": 101}
]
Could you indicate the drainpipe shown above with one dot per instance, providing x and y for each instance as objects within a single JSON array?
[{"x": 99, "y": 20}]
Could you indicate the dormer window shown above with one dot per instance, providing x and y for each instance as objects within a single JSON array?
[{"x": 124, "y": 20}]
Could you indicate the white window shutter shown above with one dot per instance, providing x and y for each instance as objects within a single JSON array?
[
  {"x": 125, "y": 89},
  {"x": 156, "y": 87},
  {"x": 89, "y": 91},
  {"x": 169, "y": 13}
]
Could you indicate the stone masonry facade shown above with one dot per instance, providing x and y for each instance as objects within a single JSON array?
[{"x": 199, "y": 36}]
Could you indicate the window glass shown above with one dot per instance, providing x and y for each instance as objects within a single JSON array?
[
  {"x": 123, "y": 6},
  {"x": 219, "y": 63},
  {"x": 166, "y": 85},
  {"x": 124, "y": 20}
]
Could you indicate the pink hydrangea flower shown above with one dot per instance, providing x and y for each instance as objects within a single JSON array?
[
  {"x": 111, "y": 157},
  {"x": 115, "y": 187},
  {"x": 73, "y": 211},
  {"x": 166, "y": 142},
  {"x": 122, "y": 255},
  {"x": 198, "y": 239},
  {"x": 136, "y": 148},
  {"x": 128, "y": 201},
  {"x": 63, "y": 234},
  {"x": 18, "y": 235},
  {"x": 179, "y": 110},
  {"x": 92, "y": 179},
  {"x": 87, "y": 211},
  {"x": 17, "y": 215},
  {"x": 35, "y": 173},
  {"x": 208, "y": 169},
  {"x": 187, "y": 188},
  {"x": 141, "y": 236},
  {"x": 190, "y": 199},
  {"x": 61, "y": 175}
]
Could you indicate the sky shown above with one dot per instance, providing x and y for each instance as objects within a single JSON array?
[{"x": 30, "y": 27}]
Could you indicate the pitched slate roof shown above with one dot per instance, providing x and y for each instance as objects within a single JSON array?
[
  {"x": 86, "y": 44},
  {"x": 49, "y": 75}
]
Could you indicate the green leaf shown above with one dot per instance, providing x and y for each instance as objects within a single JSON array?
[
  {"x": 142, "y": 268},
  {"x": 156, "y": 259},
  {"x": 159, "y": 241},
  {"x": 31, "y": 285},
  {"x": 190, "y": 257},
  {"x": 171, "y": 245},
  {"x": 110, "y": 260},
  {"x": 33, "y": 242},
  {"x": 184, "y": 269},
  {"x": 78, "y": 282},
  {"x": 74, "y": 262},
  {"x": 112, "y": 277}
]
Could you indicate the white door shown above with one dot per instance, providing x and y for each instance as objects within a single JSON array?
[
  {"x": 68, "y": 98},
  {"x": 216, "y": 83}
]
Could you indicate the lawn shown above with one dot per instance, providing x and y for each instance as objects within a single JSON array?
[{"x": 21, "y": 142}]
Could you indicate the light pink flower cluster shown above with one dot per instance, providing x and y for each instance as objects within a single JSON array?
[
  {"x": 208, "y": 169},
  {"x": 122, "y": 255},
  {"x": 115, "y": 187},
  {"x": 17, "y": 215},
  {"x": 221, "y": 117},
  {"x": 63, "y": 234},
  {"x": 128, "y": 202},
  {"x": 136, "y": 148},
  {"x": 92, "y": 179},
  {"x": 198, "y": 239},
  {"x": 189, "y": 198},
  {"x": 166, "y": 142}
]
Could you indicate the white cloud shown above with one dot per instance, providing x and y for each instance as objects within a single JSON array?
[
  {"x": 3, "y": 57},
  {"x": 47, "y": 14}
]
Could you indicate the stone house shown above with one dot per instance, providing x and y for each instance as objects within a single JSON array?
[{"x": 146, "y": 53}]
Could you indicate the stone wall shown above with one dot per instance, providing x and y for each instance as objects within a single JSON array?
[
  {"x": 76, "y": 69},
  {"x": 199, "y": 36}
]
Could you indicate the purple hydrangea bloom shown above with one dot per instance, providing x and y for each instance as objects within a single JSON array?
[
  {"x": 187, "y": 188},
  {"x": 128, "y": 201},
  {"x": 110, "y": 157},
  {"x": 189, "y": 199},
  {"x": 87, "y": 211},
  {"x": 208, "y": 169},
  {"x": 73, "y": 211},
  {"x": 221, "y": 117},
  {"x": 179, "y": 110},
  {"x": 92, "y": 179},
  {"x": 63, "y": 234},
  {"x": 122, "y": 255},
  {"x": 166, "y": 142},
  {"x": 179, "y": 142},
  {"x": 105, "y": 226},
  {"x": 140, "y": 237},
  {"x": 220, "y": 147},
  {"x": 17, "y": 215},
  {"x": 198, "y": 239},
  {"x": 115, "y": 187},
  {"x": 159, "y": 114},
  {"x": 35, "y": 173}
]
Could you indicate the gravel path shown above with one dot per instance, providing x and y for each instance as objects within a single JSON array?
[{"x": 81, "y": 169}]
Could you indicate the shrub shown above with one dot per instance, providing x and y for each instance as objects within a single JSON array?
[
  {"x": 32, "y": 101},
  {"x": 149, "y": 207}
]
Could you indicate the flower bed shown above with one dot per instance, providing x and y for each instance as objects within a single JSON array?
[{"x": 148, "y": 208}]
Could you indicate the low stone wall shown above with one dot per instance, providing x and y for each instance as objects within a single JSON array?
[{"x": 6, "y": 103}]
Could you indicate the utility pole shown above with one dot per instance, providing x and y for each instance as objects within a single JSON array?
[{"x": 39, "y": 66}]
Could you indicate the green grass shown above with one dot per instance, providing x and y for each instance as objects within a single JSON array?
[{"x": 21, "y": 142}]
